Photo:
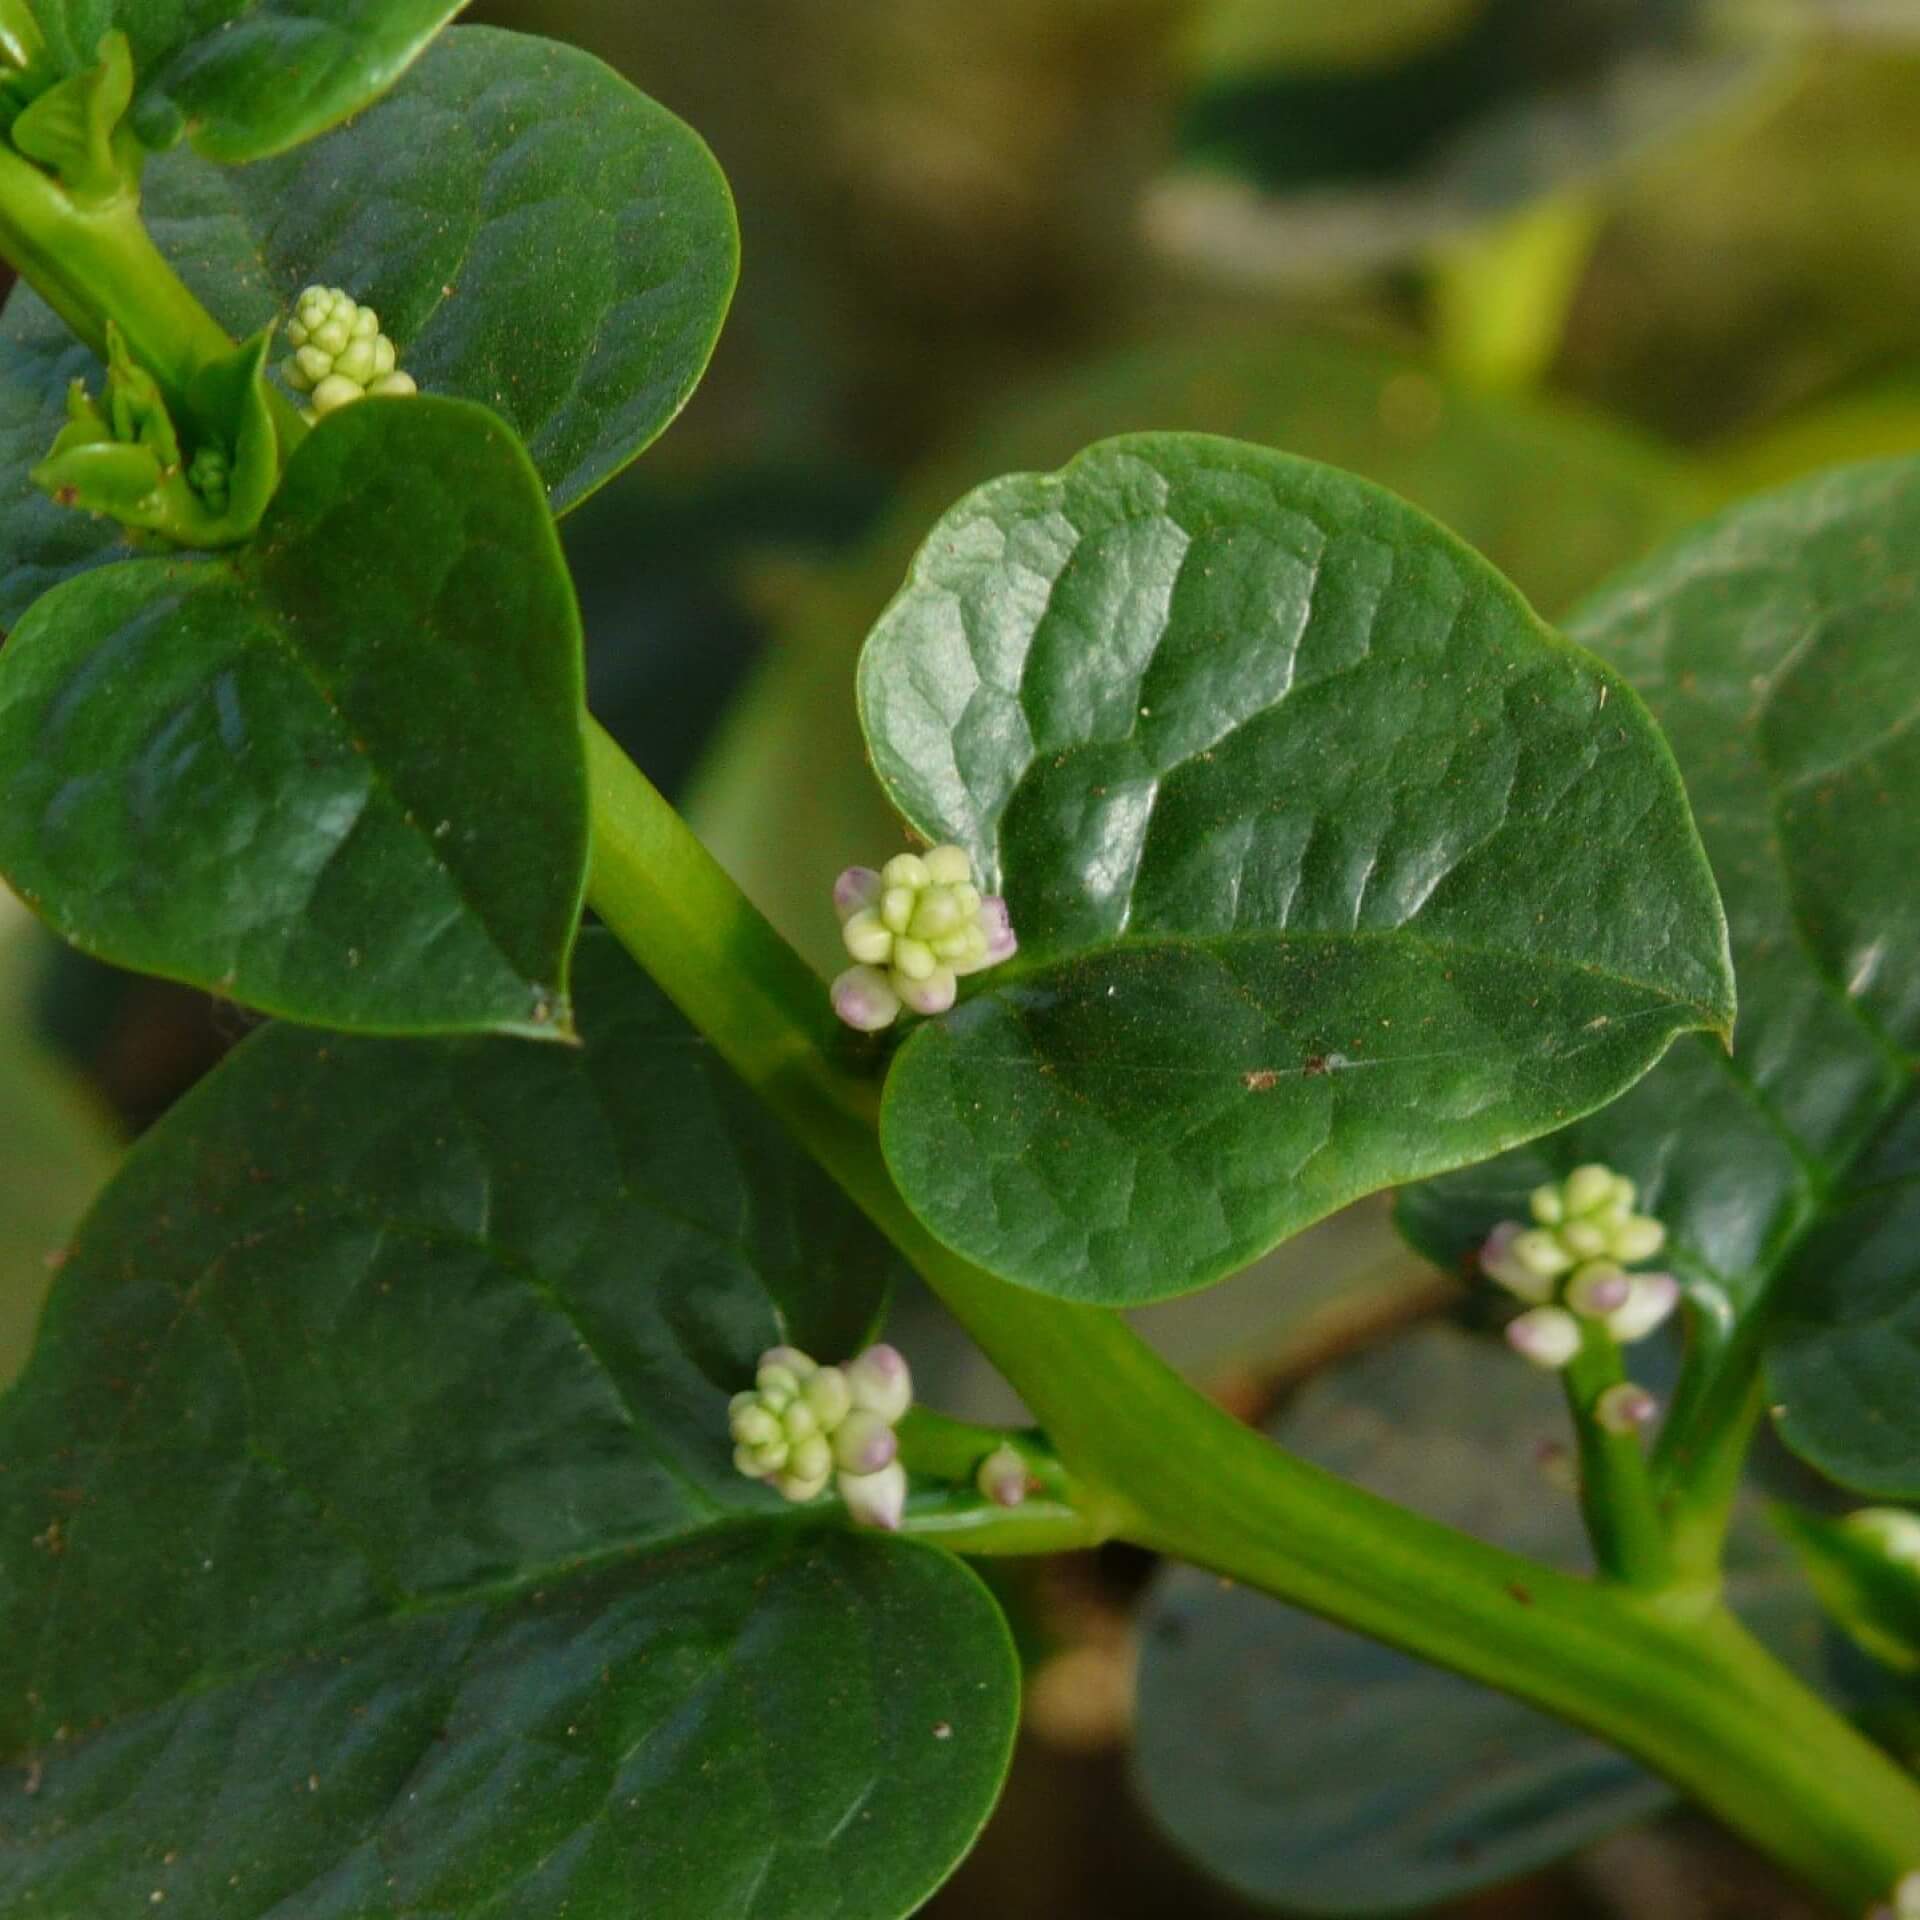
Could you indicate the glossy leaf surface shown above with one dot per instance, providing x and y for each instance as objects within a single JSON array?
[
  {"x": 1329, "y": 863},
  {"x": 1777, "y": 648},
  {"x": 786, "y": 791},
  {"x": 1323, "y": 1773},
  {"x": 337, "y": 775},
  {"x": 243, "y": 78},
  {"x": 372, "y": 1538},
  {"x": 532, "y": 232}
]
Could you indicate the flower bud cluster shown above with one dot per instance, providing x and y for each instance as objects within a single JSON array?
[
  {"x": 803, "y": 1424},
  {"x": 339, "y": 353},
  {"x": 1569, "y": 1264},
  {"x": 912, "y": 930}
]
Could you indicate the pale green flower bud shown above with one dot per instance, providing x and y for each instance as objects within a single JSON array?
[
  {"x": 797, "y": 1421},
  {"x": 1548, "y": 1336},
  {"x": 1541, "y": 1252},
  {"x": 339, "y": 353},
  {"x": 913, "y": 958},
  {"x": 1548, "y": 1204},
  {"x": 935, "y": 994},
  {"x": 811, "y": 1458},
  {"x": 803, "y": 1366},
  {"x": 875, "y": 1499},
  {"x": 937, "y": 915},
  {"x": 1588, "y": 1187},
  {"x": 906, "y": 871},
  {"x": 1893, "y": 1531},
  {"x": 1638, "y": 1238},
  {"x": 949, "y": 866},
  {"x": 1003, "y": 1477},
  {"x": 757, "y": 1425},
  {"x": 1584, "y": 1239},
  {"x": 829, "y": 1396}
]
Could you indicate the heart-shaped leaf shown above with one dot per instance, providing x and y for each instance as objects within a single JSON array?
[
  {"x": 1323, "y": 1773},
  {"x": 532, "y": 232},
  {"x": 337, "y": 774},
  {"x": 371, "y": 1536},
  {"x": 1777, "y": 646},
  {"x": 243, "y": 78},
  {"x": 1329, "y": 863}
]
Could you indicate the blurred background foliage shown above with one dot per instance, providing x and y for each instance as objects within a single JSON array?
[{"x": 1567, "y": 273}]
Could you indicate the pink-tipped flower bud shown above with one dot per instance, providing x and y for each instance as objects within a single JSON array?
[
  {"x": 1625, "y": 1408},
  {"x": 935, "y": 994},
  {"x": 1548, "y": 1336},
  {"x": 1598, "y": 1289},
  {"x": 865, "y": 1000},
  {"x": 1003, "y": 1477},
  {"x": 1653, "y": 1296},
  {"x": 857, "y": 890},
  {"x": 875, "y": 1499},
  {"x": 998, "y": 927},
  {"x": 1499, "y": 1262},
  {"x": 881, "y": 1382},
  {"x": 864, "y": 1443}
]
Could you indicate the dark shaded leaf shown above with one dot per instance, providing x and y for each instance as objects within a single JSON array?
[
  {"x": 1777, "y": 646},
  {"x": 1326, "y": 1774},
  {"x": 371, "y": 1536}
]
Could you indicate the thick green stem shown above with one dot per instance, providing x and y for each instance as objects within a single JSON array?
[
  {"x": 1616, "y": 1490},
  {"x": 96, "y": 262},
  {"x": 1703, "y": 1446},
  {"x": 1671, "y": 1678}
]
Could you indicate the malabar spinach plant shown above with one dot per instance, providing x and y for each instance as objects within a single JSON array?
[{"x": 460, "y": 1474}]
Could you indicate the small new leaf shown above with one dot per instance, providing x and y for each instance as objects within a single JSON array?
[
  {"x": 70, "y": 129},
  {"x": 121, "y": 454}
]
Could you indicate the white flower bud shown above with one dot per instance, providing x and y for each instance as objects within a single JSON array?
[
  {"x": 1652, "y": 1298},
  {"x": 1548, "y": 1336},
  {"x": 1003, "y": 1477},
  {"x": 875, "y": 1499},
  {"x": 1500, "y": 1263},
  {"x": 881, "y": 1382}
]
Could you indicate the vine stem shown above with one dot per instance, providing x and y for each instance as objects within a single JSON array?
[
  {"x": 1616, "y": 1490},
  {"x": 1670, "y": 1676}
]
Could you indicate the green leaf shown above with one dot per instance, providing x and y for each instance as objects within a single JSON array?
[
  {"x": 789, "y": 773},
  {"x": 1297, "y": 164},
  {"x": 57, "y": 1144},
  {"x": 532, "y": 232},
  {"x": 244, "y": 78},
  {"x": 70, "y": 128},
  {"x": 337, "y": 774},
  {"x": 1866, "y": 1570},
  {"x": 1775, "y": 646},
  {"x": 1323, "y": 1773},
  {"x": 1329, "y": 863},
  {"x": 371, "y": 1533}
]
